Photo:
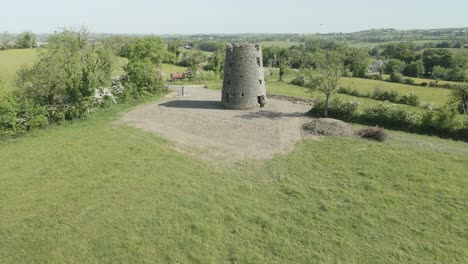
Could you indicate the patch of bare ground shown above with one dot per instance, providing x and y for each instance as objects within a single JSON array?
[{"x": 198, "y": 124}]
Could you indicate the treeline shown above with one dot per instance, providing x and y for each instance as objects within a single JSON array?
[
  {"x": 73, "y": 78},
  {"x": 305, "y": 56},
  {"x": 25, "y": 40},
  {"x": 440, "y": 64}
]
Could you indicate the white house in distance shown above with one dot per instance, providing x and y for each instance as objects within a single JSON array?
[{"x": 375, "y": 67}]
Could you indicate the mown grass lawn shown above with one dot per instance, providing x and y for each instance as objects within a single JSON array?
[{"x": 97, "y": 191}]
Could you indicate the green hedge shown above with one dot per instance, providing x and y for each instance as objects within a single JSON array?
[{"x": 441, "y": 122}]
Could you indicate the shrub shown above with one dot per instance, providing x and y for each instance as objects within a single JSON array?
[
  {"x": 424, "y": 84},
  {"x": 390, "y": 116},
  {"x": 396, "y": 77},
  {"x": 408, "y": 81},
  {"x": 299, "y": 79},
  {"x": 375, "y": 77},
  {"x": 205, "y": 76},
  {"x": 441, "y": 121},
  {"x": 344, "y": 110},
  {"x": 375, "y": 133},
  {"x": 143, "y": 79},
  {"x": 410, "y": 99},
  {"x": 383, "y": 95},
  {"x": 349, "y": 91},
  {"x": 8, "y": 113}
]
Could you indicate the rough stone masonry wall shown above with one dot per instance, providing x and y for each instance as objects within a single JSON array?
[{"x": 244, "y": 80}]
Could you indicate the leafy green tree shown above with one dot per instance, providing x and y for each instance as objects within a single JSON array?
[
  {"x": 436, "y": 57},
  {"x": 151, "y": 48},
  {"x": 66, "y": 74},
  {"x": 192, "y": 60},
  {"x": 414, "y": 69},
  {"x": 327, "y": 74},
  {"x": 296, "y": 58},
  {"x": 357, "y": 61},
  {"x": 26, "y": 40},
  {"x": 283, "y": 63},
  {"x": 394, "y": 65},
  {"x": 396, "y": 77},
  {"x": 439, "y": 73},
  {"x": 143, "y": 78},
  {"x": 118, "y": 44},
  {"x": 218, "y": 60},
  {"x": 402, "y": 51},
  {"x": 459, "y": 97}
]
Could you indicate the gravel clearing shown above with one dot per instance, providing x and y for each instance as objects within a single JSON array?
[{"x": 197, "y": 123}]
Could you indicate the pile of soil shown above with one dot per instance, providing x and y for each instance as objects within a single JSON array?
[{"x": 328, "y": 127}]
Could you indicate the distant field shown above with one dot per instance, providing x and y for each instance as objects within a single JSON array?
[
  {"x": 370, "y": 45},
  {"x": 435, "y": 96},
  {"x": 13, "y": 60},
  {"x": 281, "y": 44}
]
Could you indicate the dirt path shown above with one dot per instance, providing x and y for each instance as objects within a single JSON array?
[{"x": 199, "y": 124}]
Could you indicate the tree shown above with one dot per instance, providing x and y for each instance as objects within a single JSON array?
[
  {"x": 326, "y": 77},
  {"x": 394, "y": 65},
  {"x": 358, "y": 62},
  {"x": 26, "y": 40},
  {"x": 396, "y": 77},
  {"x": 142, "y": 78},
  {"x": 66, "y": 74},
  {"x": 414, "y": 69},
  {"x": 436, "y": 57},
  {"x": 460, "y": 98},
  {"x": 217, "y": 60},
  {"x": 283, "y": 63},
  {"x": 439, "y": 73},
  {"x": 151, "y": 48}
]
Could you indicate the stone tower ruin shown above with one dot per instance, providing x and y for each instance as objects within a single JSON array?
[{"x": 244, "y": 80}]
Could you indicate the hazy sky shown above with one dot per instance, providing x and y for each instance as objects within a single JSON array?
[{"x": 233, "y": 16}]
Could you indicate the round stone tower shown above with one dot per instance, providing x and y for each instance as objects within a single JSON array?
[{"x": 244, "y": 80}]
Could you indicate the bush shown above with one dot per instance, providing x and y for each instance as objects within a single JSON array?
[
  {"x": 205, "y": 76},
  {"x": 349, "y": 91},
  {"x": 441, "y": 121},
  {"x": 383, "y": 95},
  {"x": 143, "y": 79},
  {"x": 390, "y": 116},
  {"x": 410, "y": 99},
  {"x": 408, "y": 81},
  {"x": 375, "y": 133},
  {"x": 17, "y": 117},
  {"x": 299, "y": 79},
  {"x": 344, "y": 110},
  {"x": 8, "y": 113},
  {"x": 396, "y": 77}
]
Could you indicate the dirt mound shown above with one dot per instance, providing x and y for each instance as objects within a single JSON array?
[{"x": 328, "y": 127}]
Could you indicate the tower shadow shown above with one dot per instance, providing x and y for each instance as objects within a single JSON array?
[{"x": 194, "y": 104}]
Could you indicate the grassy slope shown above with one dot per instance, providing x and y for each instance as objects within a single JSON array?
[
  {"x": 435, "y": 96},
  {"x": 11, "y": 61},
  {"x": 96, "y": 191}
]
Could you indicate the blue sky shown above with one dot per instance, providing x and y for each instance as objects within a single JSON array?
[{"x": 233, "y": 16}]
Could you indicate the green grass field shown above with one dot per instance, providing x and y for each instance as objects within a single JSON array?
[
  {"x": 11, "y": 61},
  {"x": 428, "y": 95},
  {"x": 281, "y": 44},
  {"x": 97, "y": 191}
]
